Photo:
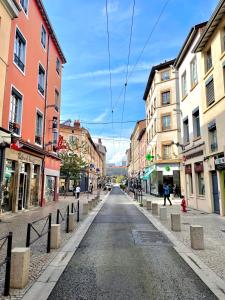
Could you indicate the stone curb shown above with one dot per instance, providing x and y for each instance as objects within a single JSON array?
[
  {"x": 42, "y": 288},
  {"x": 211, "y": 280}
]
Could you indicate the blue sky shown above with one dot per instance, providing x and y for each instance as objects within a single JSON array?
[{"x": 81, "y": 29}]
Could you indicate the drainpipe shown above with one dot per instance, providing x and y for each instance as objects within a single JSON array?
[{"x": 44, "y": 126}]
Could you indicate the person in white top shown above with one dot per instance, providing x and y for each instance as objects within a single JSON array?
[{"x": 78, "y": 192}]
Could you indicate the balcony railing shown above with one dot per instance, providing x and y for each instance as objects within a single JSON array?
[
  {"x": 19, "y": 63},
  {"x": 14, "y": 127},
  {"x": 38, "y": 139}
]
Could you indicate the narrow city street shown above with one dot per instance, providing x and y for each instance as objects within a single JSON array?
[{"x": 123, "y": 256}]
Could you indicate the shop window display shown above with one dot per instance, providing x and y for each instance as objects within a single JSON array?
[
  {"x": 50, "y": 188},
  {"x": 8, "y": 186}
]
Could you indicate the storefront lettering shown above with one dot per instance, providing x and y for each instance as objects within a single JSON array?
[
  {"x": 28, "y": 158},
  {"x": 193, "y": 155}
]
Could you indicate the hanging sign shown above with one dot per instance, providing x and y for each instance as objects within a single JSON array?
[{"x": 149, "y": 157}]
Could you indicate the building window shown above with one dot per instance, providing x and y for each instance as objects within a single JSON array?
[
  {"x": 196, "y": 124},
  {"x": 56, "y": 100},
  {"x": 19, "y": 51},
  {"x": 224, "y": 75},
  {"x": 186, "y": 131},
  {"x": 24, "y": 4},
  {"x": 58, "y": 65},
  {"x": 199, "y": 170},
  {"x": 208, "y": 60},
  {"x": 212, "y": 136},
  {"x": 41, "y": 80},
  {"x": 15, "y": 112},
  {"x": 210, "y": 95},
  {"x": 194, "y": 75},
  {"x": 166, "y": 122},
  {"x": 223, "y": 40},
  {"x": 166, "y": 98},
  {"x": 55, "y": 138},
  {"x": 165, "y": 75},
  {"x": 43, "y": 36},
  {"x": 39, "y": 124},
  {"x": 184, "y": 84},
  {"x": 166, "y": 151}
]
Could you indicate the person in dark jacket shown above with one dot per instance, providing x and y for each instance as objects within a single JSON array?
[{"x": 166, "y": 194}]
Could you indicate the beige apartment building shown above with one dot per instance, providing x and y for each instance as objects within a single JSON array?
[
  {"x": 192, "y": 143},
  {"x": 162, "y": 128},
  {"x": 87, "y": 149},
  {"x": 137, "y": 155},
  {"x": 211, "y": 47}
]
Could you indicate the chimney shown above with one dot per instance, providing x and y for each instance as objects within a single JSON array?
[{"x": 76, "y": 124}]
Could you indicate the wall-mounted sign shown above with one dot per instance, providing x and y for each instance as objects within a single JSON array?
[{"x": 192, "y": 155}]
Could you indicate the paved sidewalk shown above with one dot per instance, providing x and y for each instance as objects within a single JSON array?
[
  {"x": 17, "y": 223},
  {"x": 214, "y": 233}
]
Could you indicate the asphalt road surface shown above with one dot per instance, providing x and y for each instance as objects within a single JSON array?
[{"x": 123, "y": 256}]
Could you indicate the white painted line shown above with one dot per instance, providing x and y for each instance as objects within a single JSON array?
[
  {"x": 211, "y": 280},
  {"x": 43, "y": 287}
]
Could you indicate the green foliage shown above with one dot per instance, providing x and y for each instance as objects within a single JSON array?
[
  {"x": 122, "y": 186},
  {"x": 72, "y": 160},
  {"x": 119, "y": 178}
]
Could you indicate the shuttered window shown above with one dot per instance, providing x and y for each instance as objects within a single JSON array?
[{"x": 210, "y": 96}]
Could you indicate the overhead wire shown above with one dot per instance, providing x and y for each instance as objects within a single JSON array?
[
  {"x": 142, "y": 50},
  {"x": 127, "y": 68},
  {"x": 109, "y": 64}
]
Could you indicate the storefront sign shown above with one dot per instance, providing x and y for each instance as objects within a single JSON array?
[
  {"x": 193, "y": 155},
  {"x": 188, "y": 169},
  {"x": 220, "y": 163},
  {"x": 199, "y": 168},
  {"x": 28, "y": 158}
]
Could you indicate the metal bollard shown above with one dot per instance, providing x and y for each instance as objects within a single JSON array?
[{"x": 49, "y": 233}]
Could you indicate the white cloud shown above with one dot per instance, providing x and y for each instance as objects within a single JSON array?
[
  {"x": 101, "y": 117},
  {"x": 116, "y": 148},
  {"x": 113, "y": 7},
  {"x": 103, "y": 72}
]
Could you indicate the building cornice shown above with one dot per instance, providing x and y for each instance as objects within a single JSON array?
[
  {"x": 211, "y": 26},
  {"x": 50, "y": 29},
  {"x": 12, "y": 8}
]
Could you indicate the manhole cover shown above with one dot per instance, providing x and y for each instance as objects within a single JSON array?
[{"x": 150, "y": 238}]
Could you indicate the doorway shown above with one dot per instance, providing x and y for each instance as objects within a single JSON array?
[
  {"x": 215, "y": 193},
  {"x": 22, "y": 191}
]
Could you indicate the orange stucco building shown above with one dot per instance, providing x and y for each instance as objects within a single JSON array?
[{"x": 31, "y": 110}]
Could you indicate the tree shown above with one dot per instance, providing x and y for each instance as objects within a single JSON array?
[
  {"x": 72, "y": 160},
  {"x": 120, "y": 178}
]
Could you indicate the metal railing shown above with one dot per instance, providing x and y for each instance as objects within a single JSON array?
[
  {"x": 7, "y": 260},
  {"x": 46, "y": 229},
  {"x": 76, "y": 210}
]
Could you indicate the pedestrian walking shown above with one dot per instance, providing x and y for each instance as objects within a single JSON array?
[
  {"x": 91, "y": 187},
  {"x": 78, "y": 191},
  {"x": 166, "y": 194}
]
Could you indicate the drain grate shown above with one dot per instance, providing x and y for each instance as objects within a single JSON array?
[
  {"x": 150, "y": 238},
  {"x": 186, "y": 223}
]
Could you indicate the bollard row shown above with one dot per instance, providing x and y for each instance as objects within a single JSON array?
[{"x": 196, "y": 231}]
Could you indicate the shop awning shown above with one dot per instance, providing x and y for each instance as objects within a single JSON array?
[{"x": 148, "y": 172}]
